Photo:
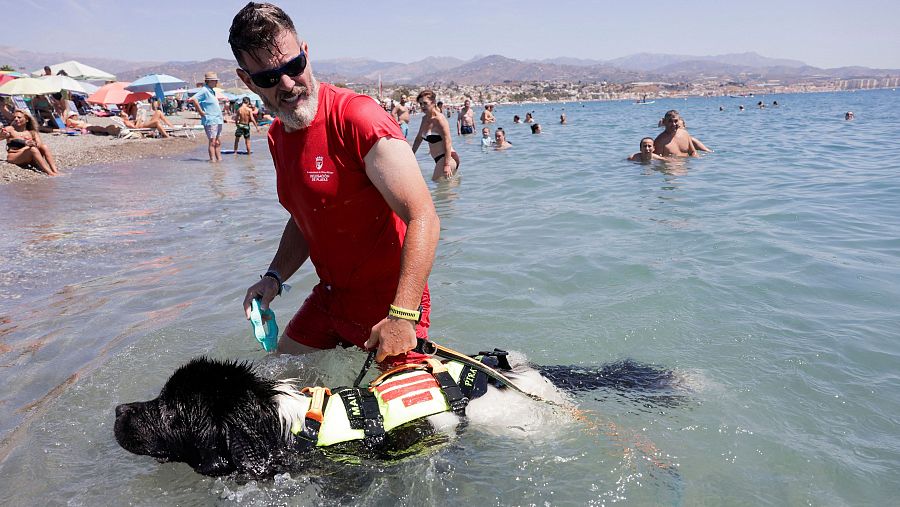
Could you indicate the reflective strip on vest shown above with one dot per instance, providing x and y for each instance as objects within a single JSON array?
[
  {"x": 401, "y": 398},
  {"x": 409, "y": 396}
]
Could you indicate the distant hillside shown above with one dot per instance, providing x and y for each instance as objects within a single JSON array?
[
  {"x": 493, "y": 69},
  {"x": 410, "y": 72},
  {"x": 648, "y": 62},
  {"x": 29, "y": 61},
  {"x": 497, "y": 69},
  {"x": 190, "y": 72}
]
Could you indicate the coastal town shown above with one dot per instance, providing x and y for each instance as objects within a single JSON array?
[{"x": 563, "y": 91}]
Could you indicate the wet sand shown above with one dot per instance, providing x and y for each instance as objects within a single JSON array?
[{"x": 72, "y": 152}]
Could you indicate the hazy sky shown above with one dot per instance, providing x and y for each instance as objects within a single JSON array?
[{"x": 824, "y": 33}]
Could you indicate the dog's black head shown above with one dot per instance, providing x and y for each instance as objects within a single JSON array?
[{"x": 218, "y": 417}]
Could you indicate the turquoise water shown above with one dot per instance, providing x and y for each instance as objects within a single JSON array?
[{"x": 766, "y": 275}]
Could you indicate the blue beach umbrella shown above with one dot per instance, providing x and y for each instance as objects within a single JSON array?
[
  {"x": 156, "y": 83},
  {"x": 254, "y": 98}
]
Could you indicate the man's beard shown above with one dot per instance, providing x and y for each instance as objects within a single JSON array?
[{"x": 303, "y": 114}]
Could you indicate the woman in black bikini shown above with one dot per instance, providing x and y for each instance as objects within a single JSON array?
[
  {"x": 24, "y": 146},
  {"x": 436, "y": 132}
]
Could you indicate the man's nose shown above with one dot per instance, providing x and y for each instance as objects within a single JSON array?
[{"x": 286, "y": 83}]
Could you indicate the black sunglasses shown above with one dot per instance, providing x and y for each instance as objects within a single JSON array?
[{"x": 270, "y": 78}]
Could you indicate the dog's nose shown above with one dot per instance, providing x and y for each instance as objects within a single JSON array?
[{"x": 122, "y": 410}]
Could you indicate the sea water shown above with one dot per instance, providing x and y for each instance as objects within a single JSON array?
[{"x": 765, "y": 276}]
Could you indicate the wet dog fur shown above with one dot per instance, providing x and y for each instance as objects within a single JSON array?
[{"x": 221, "y": 418}]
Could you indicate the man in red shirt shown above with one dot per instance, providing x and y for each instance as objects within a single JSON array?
[{"x": 360, "y": 209}]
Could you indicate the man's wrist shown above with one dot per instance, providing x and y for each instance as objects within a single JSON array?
[
  {"x": 275, "y": 276},
  {"x": 413, "y": 316}
]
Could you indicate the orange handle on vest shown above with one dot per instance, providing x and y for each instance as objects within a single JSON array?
[{"x": 318, "y": 401}]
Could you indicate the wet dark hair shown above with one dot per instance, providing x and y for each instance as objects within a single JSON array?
[
  {"x": 254, "y": 27},
  {"x": 535, "y": 127},
  {"x": 644, "y": 139},
  {"x": 426, "y": 94},
  {"x": 671, "y": 114}
]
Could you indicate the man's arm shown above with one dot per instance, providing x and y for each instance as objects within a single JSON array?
[
  {"x": 459, "y": 117},
  {"x": 692, "y": 152},
  {"x": 292, "y": 252},
  {"x": 392, "y": 168},
  {"x": 197, "y": 107}
]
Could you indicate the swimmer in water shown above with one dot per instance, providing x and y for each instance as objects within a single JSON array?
[
  {"x": 500, "y": 141},
  {"x": 536, "y": 128},
  {"x": 674, "y": 141},
  {"x": 486, "y": 140},
  {"x": 646, "y": 154},
  {"x": 696, "y": 142},
  {"x": 435, "y": 130},
  {"x": 562, "y": 119},
  {"x": 848, "y": 115}
]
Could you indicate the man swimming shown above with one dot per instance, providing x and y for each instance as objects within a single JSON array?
[
  {"x": 646, "y": 154},
  {"x": 674, "y": 141}
]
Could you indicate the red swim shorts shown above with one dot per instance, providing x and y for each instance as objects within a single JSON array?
[{"x": 330, "y": 318}]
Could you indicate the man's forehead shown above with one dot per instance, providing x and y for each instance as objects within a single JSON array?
[{"x": 285, "y": 45}]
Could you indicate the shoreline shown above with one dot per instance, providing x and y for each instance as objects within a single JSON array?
[{"x": 74, "y": 152}]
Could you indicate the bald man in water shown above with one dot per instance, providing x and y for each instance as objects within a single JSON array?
[{"x": 674, "y": 141}]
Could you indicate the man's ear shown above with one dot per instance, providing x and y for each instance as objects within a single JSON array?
[{"x": 245, "y": 78}]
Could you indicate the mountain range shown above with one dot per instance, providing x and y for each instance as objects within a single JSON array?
[{"x": 491, "y": 69}]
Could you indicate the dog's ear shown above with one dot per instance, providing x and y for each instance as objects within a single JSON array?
[{"x": 245, "y": 449}]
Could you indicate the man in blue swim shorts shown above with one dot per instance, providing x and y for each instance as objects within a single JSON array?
[
  {"x": 401, "y": 115},
  {"x": 207, "y": 105}
]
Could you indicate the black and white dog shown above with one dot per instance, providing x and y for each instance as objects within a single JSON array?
[{"x": 220, "y": 417}]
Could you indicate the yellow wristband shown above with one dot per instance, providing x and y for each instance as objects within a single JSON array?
[{"x": 403, "y": 313}]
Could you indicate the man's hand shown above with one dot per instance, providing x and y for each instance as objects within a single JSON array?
[
  {"x": 265, "y": 290},
  {"x": 393, "y": 337}
]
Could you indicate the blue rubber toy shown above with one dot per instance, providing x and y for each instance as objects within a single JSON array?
[{"x": 266, "y": 333}]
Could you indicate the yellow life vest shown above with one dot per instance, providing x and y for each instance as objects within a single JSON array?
[{"x": 403, "y": 394}]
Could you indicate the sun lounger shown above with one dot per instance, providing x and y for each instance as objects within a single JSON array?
[
  {"x": 61, "y": 125},
  {"x": 185, "y": 130}
]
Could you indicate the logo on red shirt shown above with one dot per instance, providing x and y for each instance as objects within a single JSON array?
[{"x": 319, "y": 175}]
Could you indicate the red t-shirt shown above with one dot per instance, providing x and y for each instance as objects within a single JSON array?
[{"x": 354, "y": 237}]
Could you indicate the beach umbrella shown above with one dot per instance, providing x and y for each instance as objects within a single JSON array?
[
  {"x": 252, "y": 96},
  {"x": 27, "y": 86},
  {"x": 4, "y": 78},
  {"x": 60, "y": 83},
  {"x": 115, "y": 93},
  {"x": 13, "y": 73},
  {"x": 78, "y": 70},
  {"x": 156, "y": 83},
  {"x": 89, "y": 88}
]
